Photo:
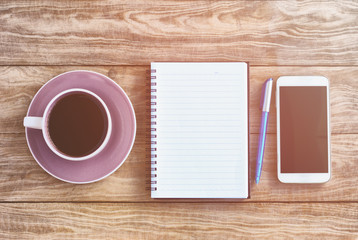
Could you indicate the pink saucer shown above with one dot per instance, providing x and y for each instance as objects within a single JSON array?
[{"x": 119, "y": 145}]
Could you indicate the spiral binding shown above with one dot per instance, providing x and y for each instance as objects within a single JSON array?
[{"x": 153, "y": 130}]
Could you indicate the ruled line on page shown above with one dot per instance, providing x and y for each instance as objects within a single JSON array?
[{"x": 193, "y": 175}]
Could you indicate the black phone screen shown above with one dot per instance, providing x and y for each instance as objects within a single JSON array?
[{"x": 303, "y": 129}]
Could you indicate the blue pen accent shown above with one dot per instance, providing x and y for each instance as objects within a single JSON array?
[
  {"x": 265, "y": 106},
  {"x": 261, "y": 148}
]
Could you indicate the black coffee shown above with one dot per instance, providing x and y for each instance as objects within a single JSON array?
[{"x": 77, "y": 124}]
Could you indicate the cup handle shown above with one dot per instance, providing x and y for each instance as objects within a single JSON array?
[{"x": 33, "y": 122}]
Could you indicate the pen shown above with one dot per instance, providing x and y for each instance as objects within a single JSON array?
[{"x": 265, "y": 106}]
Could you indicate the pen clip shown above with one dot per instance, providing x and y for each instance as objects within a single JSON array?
[{"x": 263, "y": 92}]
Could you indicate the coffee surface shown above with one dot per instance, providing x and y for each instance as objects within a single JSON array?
[{"x": 77, "y": 124}]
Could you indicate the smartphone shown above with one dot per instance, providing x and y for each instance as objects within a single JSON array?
[{"x": 303, "y": 129}]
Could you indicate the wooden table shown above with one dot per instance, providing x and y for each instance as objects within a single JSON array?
[{"x": 43, "y": 38}]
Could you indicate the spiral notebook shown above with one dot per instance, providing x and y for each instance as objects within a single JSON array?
[{"x": 199, "y": 130}]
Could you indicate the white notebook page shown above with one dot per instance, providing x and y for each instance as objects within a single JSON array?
[{"x": 201, "y": 130}]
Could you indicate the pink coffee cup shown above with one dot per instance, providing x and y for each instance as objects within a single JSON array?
[{"x": 42, "y": 123}]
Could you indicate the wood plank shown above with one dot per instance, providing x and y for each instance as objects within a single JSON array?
[
  {"x": 179, "y": 221},
  {"x": 21, "y": 179},
  {"x": 341, "y": 187},
  {"x": 136, "y": 32},
  {"x": 343, "y": 98},
  {"x": 18, "y": 85}
]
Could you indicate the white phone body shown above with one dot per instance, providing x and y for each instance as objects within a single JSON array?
[{"x": 303, "y": 129}]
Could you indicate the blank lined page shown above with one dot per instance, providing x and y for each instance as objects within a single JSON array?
[{"x": 201, "y": 130}]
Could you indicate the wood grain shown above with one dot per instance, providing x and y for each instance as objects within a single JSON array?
[
  {"x": 179, "y": 221},
  {"x": 136, "y": 32},
  {"x": 41, "y": 39},
  {"x": 21, "y": 179},
  {"x": 18, "y": 85}
]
